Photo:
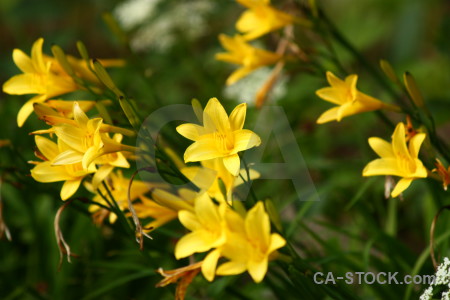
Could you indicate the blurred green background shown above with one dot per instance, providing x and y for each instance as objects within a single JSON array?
[{"x": 173, "y": 45}]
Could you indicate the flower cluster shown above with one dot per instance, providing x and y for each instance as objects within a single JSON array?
[{"x": 259, "y": 19}]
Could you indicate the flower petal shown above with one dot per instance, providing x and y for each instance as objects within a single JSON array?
[
  {"x": 231, "y": 268},
  {"x": 215, "y": 116},
  {"x": 245, "y": 139},
  {"x": 402, "y": 185},
  {"x": 237, "y": 117},
  {"x": 276, "y": 242},
  {"x": 171, "y": 201},
  {"x": 257, "y": 225},
  {"x": 329, "y": 115},
  {"x": 383, "y": 166},
  {"x": 22, "y": 61},
  {"x": 189, "y": 220},
  {"x": 79, "y": 115},
  {"x": 191, "y": 131},
  {"x": 69, "y": 188},
  {"x": 399, "y": 141},
  {"x": 194, "y": 242},
  {"x": 381, "y": 147},
  {"x": 209, "y": 264},
  {"x": 45, "y": 172},
  {"x": 233, "y": 164},
  {"x": 67, "y": 157},
  {"x": 203, "y": 149},
  {"x": 100, "y": 175},
  {"x": 47, "y": 147},
  {"x": 415, "y": 143},
  {"x": 258, "y": 269},
  {"x": 207, "y": 211}
]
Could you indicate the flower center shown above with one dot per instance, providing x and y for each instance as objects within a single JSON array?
[{"x": 224, "y": 142}]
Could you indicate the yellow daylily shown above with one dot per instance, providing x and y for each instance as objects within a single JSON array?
[
  {"x": 350, "y": 101},
  {"x": 84, "y": 137},
  {"x": 37, "y": 78},
  {"x": 261, "y": 18},
  {"x": 118, "y": 186},
  {"x": 207, "y": 177},
  {"x": 244, "y": 54},
  {"x": 220, "y": 136},
  {"x": 250, "y": 244},
  {"x": 397, "y": 158},
  {"x": 207, "y": 227},
  {"x": 45, "y": 171}
]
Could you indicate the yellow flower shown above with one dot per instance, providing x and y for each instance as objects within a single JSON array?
[
  {"x": 37, "y": 78},
  {"x": 208, "y": 175},
  {"x": 242, "y": 53},
  {"x": 397, "y": 159},
  {"x": 45, "y": 171},
  {"x": 84, "y": 136},
  {"x": 350, "y": 101},
  {"x": 261, "y": 18},
  {"x": 252, "y": 247},
  {"x": 206, "y": 225},
  {"x": 118, "y": 186},
  {"x": 220, "y": 136}
]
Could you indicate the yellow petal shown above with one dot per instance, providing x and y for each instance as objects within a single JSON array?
[
  {"x": 238, "y": 74},
  {"x": 67, "y": 157},
  {"x": 233, "y": 164},
  {"x": 27, "y": 109},
  {"x": 215, "y": 116},
  {"x": 276, "y": 242},
  {"x": 258, "y": 269},
  {"x": 203, "y": 149},
  {"x": 237, "y": 117},
  {"x": 48, "y": 148},
  {"x": 402, "y": 185},
  {"x": 70, "y": 135},
  {"x": 330, "y": 94},
  {"x": 383, "y": 166},
  {"x": 69, "y": 188},
  {"x": 37, "y": 57},
  {"x": 45, "y": 172},
  {"x": 168, "y": 200},
  {"x": 231, "y": 268},
  {"x": 190, "y": 131},
  {"x": 23, "y": 84},
  {"x": 381, "y": 147},
  {"x": 189, "y": 220},
  {"x": 257, "y": 225},
  {"x": 22, "y": 61},
  {"x": 89, "y": 156},
  {"x": 194, "y": 242},
  {"x": 79, "y": 115},
  {"x": 245, "y": 139},
  {"x": 399, "y": 141},
  {"x": 329, "y": 115},
  {"x": 415, "y": 143},
  {"x": 209, "y": 264},
  {"x": 206, "y": 210},
  {"x": 100, "y": 175}
]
